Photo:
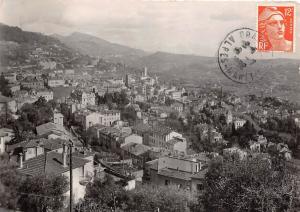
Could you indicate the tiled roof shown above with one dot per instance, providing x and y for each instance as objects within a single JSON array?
[
  {"x": 50, "y": 128},
  {"x": 177, "y": 174},
  {"x": 50, "y": 163}
]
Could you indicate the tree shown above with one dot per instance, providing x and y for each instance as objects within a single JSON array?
[
  {"x": 4, "y": 89},
  {"x": 164, "y": 198},
  {"x": 106, "y": 192},
  {"x": 9, "y": 183},
  {"x": 42, "y": 193},
  {"x": 251, "y": 184},
  {"x": 129, "y": 114}
]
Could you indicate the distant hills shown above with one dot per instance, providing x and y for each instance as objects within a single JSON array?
[
  {"x": 280, "y": 76},
  {"x": 97, "y": 47}
]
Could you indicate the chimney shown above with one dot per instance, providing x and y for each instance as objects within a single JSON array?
[
  {"x": 21, "y": 160},
  {"x": 64, "y": 155}
]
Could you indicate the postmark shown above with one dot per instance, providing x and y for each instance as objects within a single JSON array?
[
  {"x": 237, "y": 55},
  {"x": 275, "y": 27}
]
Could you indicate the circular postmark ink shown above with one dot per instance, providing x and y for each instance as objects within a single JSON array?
[{"x": 237, "y": 56}]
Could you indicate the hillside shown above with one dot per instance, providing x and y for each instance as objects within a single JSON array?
[
  {"x": 21, "y": 48},
  {"x": 278, "y": 77},
  {"x": 97, "y": 47}
]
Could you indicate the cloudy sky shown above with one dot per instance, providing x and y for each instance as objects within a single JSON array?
[{"x": 189, "y": 27}]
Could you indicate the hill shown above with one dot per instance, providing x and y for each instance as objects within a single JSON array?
[
  {"x": 97, "y": 47},
  {"x": 23, "y": 48},
  {"x": 278, "y": 77}
]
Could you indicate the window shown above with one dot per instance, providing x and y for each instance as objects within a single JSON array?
[
  {"x": 200, "y": 187},
  {"x": 167, "y": 182}
]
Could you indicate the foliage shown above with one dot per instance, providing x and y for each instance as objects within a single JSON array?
[
  {"x": 119, "y": 98},
  {"x": 4, "y": 89},
  {"x": 9, "y": 183},
  {"x": 33, "y": 115},
  {"x": 42, "y": 193},
  {"x": 248, "y": 185},
  {"x": 129, "y": 114},
  {"x": 106, "y": 193},
  {"x": 286, "y": 125},
  {"x": 164, "y": 198}
]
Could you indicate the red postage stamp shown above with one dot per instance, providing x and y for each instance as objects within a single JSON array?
[{"x": 276, "y": 28}]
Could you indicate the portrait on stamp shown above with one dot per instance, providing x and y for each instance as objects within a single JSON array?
[{"x": 275, "y": 28}]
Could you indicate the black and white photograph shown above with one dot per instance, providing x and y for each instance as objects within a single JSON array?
[{"x": 149, "y": 106}]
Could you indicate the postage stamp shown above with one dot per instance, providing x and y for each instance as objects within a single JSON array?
[{"x": 276, "y": 28}]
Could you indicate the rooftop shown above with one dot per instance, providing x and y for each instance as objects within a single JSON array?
[
  {"x": 177, "y": 174},
  {"x": 136, "y": 149},
  {"x": 50, "y": 163},
  {"x": 50, "y": 128}
]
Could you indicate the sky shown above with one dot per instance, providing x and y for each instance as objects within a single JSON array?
[{"x": 186, "y": 27}]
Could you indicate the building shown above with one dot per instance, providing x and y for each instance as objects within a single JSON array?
[
  {"x": 58, "y": 119},
  {"x": 186, "y": 173},
  {"x": 133, "y": 138},
  {"x": 159, "y": 135},
  {"x": 176, "y": 95},
  {"x": 7, "y": 105},
  {"x": 55, "y": 82},
  {"x": 84, "y": 98},
  {"x": 105, "y": 117},
  {"x": 32, "y": 83},
  {"x": 52, "y": 130},
  {"x": 139, "y": 153},
  {"x": 238, "y": 123},
  {"x": 11, "y": 77},
  {"x": 6, "y": 135},
  {"x": 109, "y": 137},
  {"x": 47, "y": 94},
  {"x": 55, "y": 163},
  {"x": 178, "y": 106}
]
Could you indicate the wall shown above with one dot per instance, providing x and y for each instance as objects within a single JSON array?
[
  {"x": 180, "y": 146},
  {"x": 134, "y": 139},
  {"x": 174, "y": 163}
]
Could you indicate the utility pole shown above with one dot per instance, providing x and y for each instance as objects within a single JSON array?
[{"x": 71, "y": 177}]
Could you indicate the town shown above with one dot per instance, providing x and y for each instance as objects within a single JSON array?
[{"x": 82, "y": 133}]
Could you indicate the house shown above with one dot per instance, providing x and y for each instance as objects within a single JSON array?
[
  {"x": 6, "y": 135},
  {"x": 58, "y": 119},
  {"x": 159, "y": 135},
  {"x": 177, "y": 106},
  {"x": 88, "y": 119},
  {"x": 177, "y": 145},
  {"x": 186, "y": 173},
  {"x": 58, "y": 164},
  {"x": 83, "y": 97},
  {"x": 7, "y": 104},
  {"x": 33, "y": 83},
  {"x": 133, "y": 138},
  {"x": 109, "y": 137},
  {"x": 137, "y": 152},
  {"x": 231, "y": 152},
  {"x": 52, "y": 130},
  {"x": 142, "y": 130},
  {"x": 238, "y": 123},
  {"x": 55, "y": 82},
  {"x": 47, "y": 94},
  {"x": 35, "y": 147}
]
